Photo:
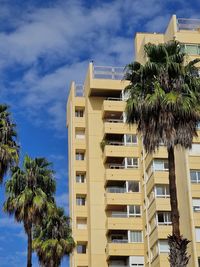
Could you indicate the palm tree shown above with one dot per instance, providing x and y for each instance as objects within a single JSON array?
[
  {"x": 164, "y": 102},
  {"x": 30, "y": 195},
  {"x": 53, "y": 239},
  {"x": 9, "y": 150}
]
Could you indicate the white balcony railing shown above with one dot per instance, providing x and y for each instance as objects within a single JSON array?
[
  {"x": 119, "y": 241},
  {"x": 188, "y": 24},
  {"x": 116, "y": 190},
  {"x": 119, "y": 214},
  {"x": 107, "y": 72},
  {"x": 79, "y": 89},
  {"x": 114, "y": 120}
]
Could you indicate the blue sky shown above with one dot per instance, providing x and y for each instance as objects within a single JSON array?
[{"x": 44, "y": 44}]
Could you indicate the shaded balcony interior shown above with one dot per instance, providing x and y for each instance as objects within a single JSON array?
[
  {"x": 122, "y": 186},
  {"x": 118, "y": 261},
  {"x": 117, "y": 211},
  {"x": 117, "y": 236},
  {"x": 123, "y": 211},
  {"x": 121, "y": 163},
  {"x": 113, "y": 117},
  {"x": 120, "y": 139}
]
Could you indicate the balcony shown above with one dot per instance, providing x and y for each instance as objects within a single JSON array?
[
  {"x": 123, "y": 199},
  {"x": 124, "y": 249},
  {"x": 112, "y": 105},
  {"x": 119, "y": 174},
  {"x": 188, "y": 24},
  {"x": 118, "y": 261},
  {"x": 159, "y": 204},
  {"x": 105, "y": 81},
  {"x": 119, "y": 223},
  {"x": 160, "y": 232},
  {"x": 157, "y": 177},
  {"x": 119, "y": 151}
]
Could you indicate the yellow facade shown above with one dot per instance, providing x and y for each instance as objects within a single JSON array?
[{"x": 119, "y": 195}]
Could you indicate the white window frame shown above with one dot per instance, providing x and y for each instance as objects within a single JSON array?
[
  {"x": 162, "y": 163},
  {"x": 80, "y": 178},
  {"x": 197, "y": 234},
  {"x": 80, "y": 134},
  {"x": 132, "y": 137},
  {"x": 132, "y": 165},
  {"x": 127, "y": 186},
  {"x": 79, "y": 113},
  {"x": 80, "y": 156},
  {"x": 134, "y": 214},
  {"x": 135, "y": 231},
  {"x": 80, "y": 201},
  {"x": 159, "y": 246},
  {"x": 195, "y": 150},
  {"x": 166, "y": 217},
  {"x": 165, "y": 195},
  {"x": 197, "y": 172},
  {"x": 196, "y": 204}
]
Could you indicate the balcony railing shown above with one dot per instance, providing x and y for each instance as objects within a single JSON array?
[
  {"x": 114, "y": 99},
  {"x": 114, "y": 120},
  {"x": 120, "y": 166},
  {"x": 119, "y": 214},
  {"x": 116, "y": 190},
  {"x": 119, "y": 241},
  {"x": 115, "y": 143},
  {"x": 79, "y": 89},
  {"x": 188, "y": 24},
  {"x": 106, "y": 72}
]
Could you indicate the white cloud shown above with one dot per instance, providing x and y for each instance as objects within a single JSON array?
[{"x": 54, "y": 44}]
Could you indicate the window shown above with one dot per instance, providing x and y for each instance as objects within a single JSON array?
[
  {"x": 81, "y": 248},
  {"x": 163, "y": 246},
  {"x": 160, "y": 165},
  {"x": 197, "y": 230},
  {"x": 195, "y": 150},
  {"x": 130, "y": 139},
  {"x": 164, "y": 218},
  {"x": 196, "y": 204},
  {"x": 79, "y": 155},
  {"x": 80, "y": 178},
  {"x": 135, "y": 237},
  {"x": 131, "y": 162},
  {"x": 195, "y": 176},
  {"x": 79, "y": 113},
  {"x": 162, "y": 191},
  {"x": 80, "y": 134},
  {"x": 199, "y": 262},
  {"x": 134, "y": 211},
  {"x": 80, "y": 200},
  {"x": 136, "y": 261},
  {"x": 133, "y": 186},
  {"x": 81, "y": 223}
]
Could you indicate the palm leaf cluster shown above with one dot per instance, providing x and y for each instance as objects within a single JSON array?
[
  {"x": 30, "y": 198},
  {"x": 9, "y": 149},
  {"x": 164, "y": 102},
  {"x": 164, "y": 97},
  {"x": 52, "y": 239}
]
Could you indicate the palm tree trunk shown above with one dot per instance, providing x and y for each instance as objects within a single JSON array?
[
  {"x": 177, "y": 244},
  {"x": 29, "y": 252},
  {"x": 173, "y": 194}
]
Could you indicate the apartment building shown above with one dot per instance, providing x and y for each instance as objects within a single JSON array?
[{"x": 119, "y": 195}]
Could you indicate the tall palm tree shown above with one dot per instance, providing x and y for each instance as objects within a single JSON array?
[
  {"x": 53, "y": 239},
  {"x": 164, "y": 101},
  {"x": 9, "y": 150},
  {"x": 30, "y": 195}
]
